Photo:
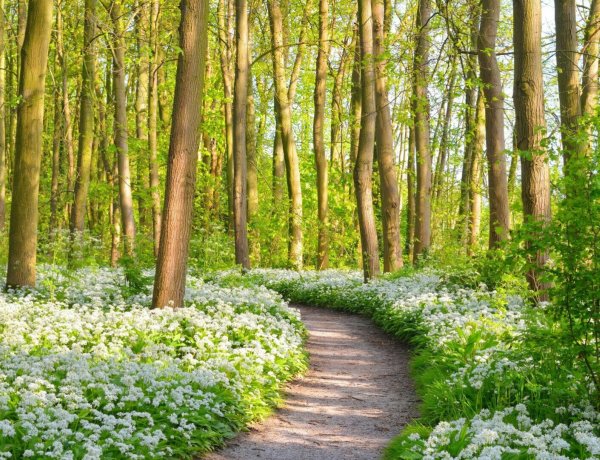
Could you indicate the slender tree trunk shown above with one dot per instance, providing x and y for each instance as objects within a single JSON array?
[
  {"x": 22, "y": 242},
  {"x": 240, "y": 100},
  {"x": 251, "y": 153},
  {"x": 86, "y": 120},
  {"x": 169, "y": 282},
  {"x": 355, "y": 102},
  {"x": 390, "y": 199},
  {"x": 475, "y": 175},
  {"x": 67, "y": 130},
  {"x": 278, "y": 163},
  {"x": 226, "y": 47},
  {"x": 121, "y": 137},
  {"x": 411, "y": 175},
  {"x": 318, "y": 136},
  {"x": 421, "y": 114},
  {"x": 591, "y": 50},
  {"x": 287, "y": 136},
  {"x": 363, "y": 180},
  {"x": 2, "y": 119},
  {"x": 142, "y": 26},
  {"x": 530, "y": 124},
  {"x": 494, "y": 123},
  {"x": 567, "y": 59},
  {"x": 154, "y": 179},
  {"x": 56, "y": 143},
  {"x": 443, "y": 150}
]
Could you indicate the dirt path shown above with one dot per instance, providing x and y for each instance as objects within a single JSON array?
[{"x": 356, "y": 396}]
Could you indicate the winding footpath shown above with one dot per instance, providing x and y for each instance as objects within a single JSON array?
[{"x": 356, "y": 396}]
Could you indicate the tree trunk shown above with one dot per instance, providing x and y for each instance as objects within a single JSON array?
[
  {"x": 390, "y": 200},
  {"x": 318, "y": 137},
  {"x": 121, "y": 137},
  {"x": 251, "y": 153},
  {"x": 475, "y": 175},
  {"x": 153, "y": 125},
  {"x": 355, "y": 102},
  {"x": 494, "y": 123},
  {"x": 287, "y": 136},
  {"x": 438, "y": 180},
  {"x": 142, "y": 26},
  {"x": 169, "y": 283},
  {"x": 86, "y": 120},
  {"x": 567, "y": 59},
  {"x": 240, "y": 100},
  {"x": 530, "y": 125},
  {"x": 66, "y": 115},
  {"x": 589, "y": 94},
  {"x": 22, "y": 242},
  {"x": 2, "y": 119},
  {"x": 363, "y": 180},
  {"x": 421, "y": 114},
  {"x": 410, "y": 192}
]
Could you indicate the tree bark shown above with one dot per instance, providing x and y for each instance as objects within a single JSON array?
[
  {"x": 240, "y": 100},
  {"x": 169, "y": 282},
  {"x": 363, "y": 180},
  {"x": 438, "y": 179},
  {"x": 589, "y": 94},
  {"x": 530, "y": 125},
  {"x": 22, "y": 242},
  {"x": 410, "y": 192},
  {"x": 494, "y": 123},
  {"x": 86, "y": 120},
  {"x": 475, "y": 175},
  {"x": 153, "y": 125},
  {"x": 421, "y": 113},
  {"x": 2, "y": 118},
  {"x": 318, "y": 137},
  {"x": 390, "y": 199},
  {"x": 287, "y": 135},
  {"x": 121, "y": 136}
]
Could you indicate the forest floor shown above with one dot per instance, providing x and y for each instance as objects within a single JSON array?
[{"x": 356, "y": 396}]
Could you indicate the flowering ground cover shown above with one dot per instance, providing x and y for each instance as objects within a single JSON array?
[
  {"x": 88, "y": 371},
  {"x": 497, "y": 379}
]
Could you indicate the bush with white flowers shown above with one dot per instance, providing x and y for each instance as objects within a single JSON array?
[
  {"x": 89, "y": 371},
  {"x": 497, "y": 379}
]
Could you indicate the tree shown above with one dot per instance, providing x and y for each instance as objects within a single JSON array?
[
  {"x": 421, "y": 120},
  {"x": 169, "y": 281},
  {"x": 240, "y": 101},
  {"x": 318, "y": 136},
  {"x": 390, "y": 200},
  {"x": 86, "y": 120},
  {"x": 363, "y": 180},
  {"x": 22, "y": 243},
  {"x": 494, "y": 122},
  {"x": 530, "y": 124},
  {"x": 284, "y": 116},
  {"x": 120, "y": 130},
  {"x": 2, "y": 118}
]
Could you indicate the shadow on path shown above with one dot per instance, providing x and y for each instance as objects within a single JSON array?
[{"x": 356, "y": 396}]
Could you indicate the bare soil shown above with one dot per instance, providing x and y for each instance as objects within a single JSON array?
[{"x": 356, "y": 396}]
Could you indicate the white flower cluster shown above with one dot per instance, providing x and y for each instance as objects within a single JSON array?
[
  {"x": 511, "y": 433},
  {"x": 479, "y": 335},
  {"x": 93, "y": 374}
]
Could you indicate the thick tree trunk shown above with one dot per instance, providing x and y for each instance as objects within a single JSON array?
[
  {"x": 22, "y": 242},
  {"x": 390, "y": 199},
  {"x": 169, "y": 282},
  {"x": 240, "y": 100},
  {"x": 421, "y": 114},
  {"x": 363, "y": 180},
  {"x": 530, "y": 123},
  {"x": 86, "y": 120},
  {"x": 287, "y": 136},
  {"x": 154, "y": 179},
  {"x": 494, "y": 123},
  {"x": 318, "y": 137},
  {"x": 121, "y": 137}
]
